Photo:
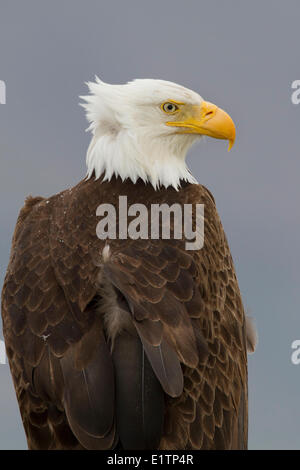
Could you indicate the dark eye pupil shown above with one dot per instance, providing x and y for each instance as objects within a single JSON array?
[{"x": 170, "y": 107}]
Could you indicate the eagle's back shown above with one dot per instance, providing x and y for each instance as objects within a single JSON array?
[{"x": 144, "y": 347}]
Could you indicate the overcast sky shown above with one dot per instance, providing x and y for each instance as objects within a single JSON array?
[{"x": 241, "y": 55}]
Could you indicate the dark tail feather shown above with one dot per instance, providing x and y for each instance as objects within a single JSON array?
[
  {"x": 139, "y": 396},
  {"x": 166, "y": 366}
]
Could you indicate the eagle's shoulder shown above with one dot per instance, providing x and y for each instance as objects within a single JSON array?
[
  {"x": 30, "y": 202},
  {"x": 197, "y": 193},
  {"x": 25, "y": 212},
  {"x": 38, "y": 210}
]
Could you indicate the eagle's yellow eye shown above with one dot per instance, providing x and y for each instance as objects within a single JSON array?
[{"x": 169, "y": 108}]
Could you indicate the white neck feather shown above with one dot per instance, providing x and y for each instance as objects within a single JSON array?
[{"x": 157, "y": 160}]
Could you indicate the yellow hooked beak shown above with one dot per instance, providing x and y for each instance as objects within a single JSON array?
[{"x": 207, "y": 119}]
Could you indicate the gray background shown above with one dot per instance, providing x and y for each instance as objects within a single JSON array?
[{"x": 241, "y": 55}]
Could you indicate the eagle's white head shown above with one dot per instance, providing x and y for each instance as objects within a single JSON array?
[{"x": 143, "y": 129}]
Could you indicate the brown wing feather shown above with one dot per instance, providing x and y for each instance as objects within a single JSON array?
[
  {"x": 189, "y": 301},
  {"x": 58, "y": 363}
]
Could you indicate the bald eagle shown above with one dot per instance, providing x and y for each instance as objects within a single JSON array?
[{"x": 124, "y": 343}]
